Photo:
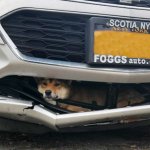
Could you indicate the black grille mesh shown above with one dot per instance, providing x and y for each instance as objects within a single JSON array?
[
  {"x": 48, "y": 35},
  {"x": 139, "y": 3}
]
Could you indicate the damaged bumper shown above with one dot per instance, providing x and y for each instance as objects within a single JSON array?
[{"x": 25, "y": 111}]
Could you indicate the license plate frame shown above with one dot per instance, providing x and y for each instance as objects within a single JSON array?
[{"x": 108, "y": 24}]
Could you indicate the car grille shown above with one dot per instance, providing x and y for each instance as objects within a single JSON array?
[
  {"x": 48, "y": 35},
  {"x": 138, "y": 3}
]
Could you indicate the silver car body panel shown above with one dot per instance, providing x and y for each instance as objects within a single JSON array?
[
  {"x": 23, "y": 111},
  {"x": 18, "y": 64}
]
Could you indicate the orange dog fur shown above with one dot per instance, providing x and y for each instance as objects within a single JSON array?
[{"x": 53, "y": 89}]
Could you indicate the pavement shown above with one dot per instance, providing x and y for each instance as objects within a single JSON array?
[{"x": 125, "y": 139}]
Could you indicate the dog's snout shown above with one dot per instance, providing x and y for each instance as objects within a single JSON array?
[{"x": 48, "y": 92}]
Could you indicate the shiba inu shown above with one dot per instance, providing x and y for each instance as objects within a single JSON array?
[{"x": 54, "y": 89}]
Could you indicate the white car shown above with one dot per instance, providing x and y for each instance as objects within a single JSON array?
[{"x": 87, "y": 40}]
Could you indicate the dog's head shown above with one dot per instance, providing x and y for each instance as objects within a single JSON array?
[{"x": 53, "y": 89}]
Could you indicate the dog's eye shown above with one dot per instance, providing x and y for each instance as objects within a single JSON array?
[
  {"x": 57, "y": 83},
  {"x": 44, "y": 84}
]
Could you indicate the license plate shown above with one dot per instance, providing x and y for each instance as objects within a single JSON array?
[{"x": 115, "y": 41}]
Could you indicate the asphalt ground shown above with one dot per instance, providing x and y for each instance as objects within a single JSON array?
[{"x": 125, "y": 139}]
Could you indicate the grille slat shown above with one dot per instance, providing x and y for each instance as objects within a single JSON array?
[
  {"x": 41, "y": 29},
  {"x": 51, "y": 21},
  {"x": 48, "y": 35},
  {"x": 52, "y": 50},
  {"x": 45, "y": 40}
]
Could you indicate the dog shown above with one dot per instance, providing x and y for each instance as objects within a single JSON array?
[{"x": 54, "y": 89}]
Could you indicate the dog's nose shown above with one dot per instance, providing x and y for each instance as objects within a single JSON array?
[{"x": 48, "y": 92}]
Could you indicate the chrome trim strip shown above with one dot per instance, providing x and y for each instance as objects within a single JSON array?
[{"x": 1, "y": 41}]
